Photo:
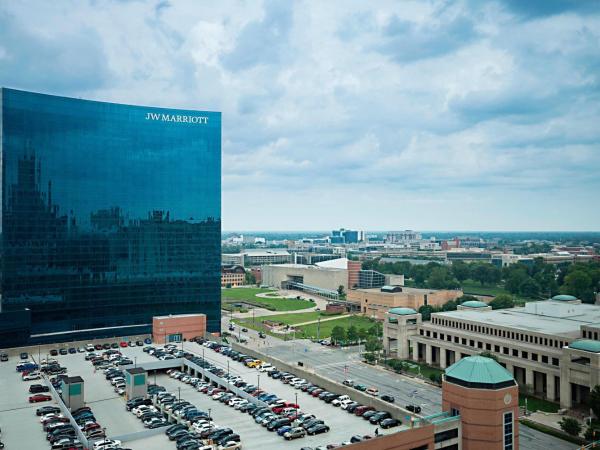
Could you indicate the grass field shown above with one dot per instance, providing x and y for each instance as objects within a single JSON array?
[
  {"x": 474, "y": 287},
  {"x": 310, "y": 331},
  {"x": 272, "y": 303},
  {"x": 537, "y": 404},
  {"x": 290, "y": 319},
  {"x": 242, "y": 293}
]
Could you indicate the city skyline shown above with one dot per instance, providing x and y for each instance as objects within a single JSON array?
[{"x": 423, "y": 115}]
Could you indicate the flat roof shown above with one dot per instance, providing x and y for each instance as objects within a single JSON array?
[
  {"x": 538, "y": 319},
  {"x": 173, "y": 316},
  {"x": 405, "y": 290}
]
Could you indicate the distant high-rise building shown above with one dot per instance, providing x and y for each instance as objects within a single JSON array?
[
  {"x": 110, "y": 216},
  {"x": 343, "y": 236}
]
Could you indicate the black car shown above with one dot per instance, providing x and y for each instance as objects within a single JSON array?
[
  {"x": 387, "y": 398},
  {"x": 318, "y": 429},
  {"x": 379, "y": 416},
  {"x": 72, "y": 350},
  {"x": 367, "y": 415},
  {"x": 262, "y": 335},
  {"x": 389, "y": 423},
  {"x": 54, "y": 352},
  {"x": 414, "y": 408},
  {"x": 24, "y": 355},
  {"x": 47, "y": 410},
  {"x": 63, "y": 351},
  {"x": 37, "y": 388}
]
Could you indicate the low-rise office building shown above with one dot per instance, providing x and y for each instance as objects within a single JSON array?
[
  {"x": 232, "y": 276},
  {"x": 551, "y": 347},
  {"x": 376, "y": 302}
]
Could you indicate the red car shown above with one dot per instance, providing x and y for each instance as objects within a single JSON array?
[
  {"x": 316, "y": 392},
  {"x": 91, "y": 426},
  {"x": 363, "y": 409},
  {"x": 39, "y": 398},
  {"x": 123, "y": 344}
]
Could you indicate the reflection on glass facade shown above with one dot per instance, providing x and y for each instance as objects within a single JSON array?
[{"x": 110, "y": 213}]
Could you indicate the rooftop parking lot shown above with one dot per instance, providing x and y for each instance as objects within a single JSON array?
[{"x": 21, "y": 427}]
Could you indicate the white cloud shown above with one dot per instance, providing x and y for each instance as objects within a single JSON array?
[{"x": 338, "y": 111}]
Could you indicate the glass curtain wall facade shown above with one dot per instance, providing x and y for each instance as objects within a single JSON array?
[{"x": 110, "y": 215}]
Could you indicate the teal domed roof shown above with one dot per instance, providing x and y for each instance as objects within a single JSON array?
[
  {"x": 402, "y": 311},
  {"x": 474, "y": 304},
  {"x": 587, "y": 345},
  {"x": 479, "y": 372},
  {"x": 564, "y": 298}
]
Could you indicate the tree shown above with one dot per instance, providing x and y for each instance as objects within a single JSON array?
[
  {"x": 449, "y": 306},
  {"x": 362, "y": 334},
  {"x": 595, "y": 400},
  {"x": 577, "y": 283},
  {"x": 340, "y": 290},
  {"x": 338, "y": 334},
  {"x": 426, "y": 311},
  {"x": 490, "y": 355},
  {"x": 376, "y": 330},
  {"x": 515, "y": 278},
  {"x": 373, "y": 344},
  {"x": 250, "y": 278},
  {"x": 480, "y": 273},
  {"x": 352, "y": 334},
  {"x": 502, "y": 301},
  {"x": 570, "y": 426},
  {"x": 438, "y": 278},
  {"x": 529, "y": 288},
  {"x": 461, "y": 271}
]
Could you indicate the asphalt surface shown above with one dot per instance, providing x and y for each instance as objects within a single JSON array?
[{"x": 340, "y": 364}]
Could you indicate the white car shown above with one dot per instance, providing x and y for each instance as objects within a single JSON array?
[
  {"x": 241, "y": 403},
  {"x": 140, "y": 410},
  {"x": 106, "y": 444},
  {"x": 232, "y": 445},
  {"x": 266, "y": 367},
  {"x": 50, "y": 416},
  {"x": 218, "y": 395},
  {"x": 338, "y": 401},
  {"x": 346, "y": 403},
  {"x": 234, "y": 401},
  {"x": 32, "y": 376},
  {"x": 116, "y": 380}
]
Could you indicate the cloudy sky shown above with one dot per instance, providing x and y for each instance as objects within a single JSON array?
[{"x": 432, "y": 115}]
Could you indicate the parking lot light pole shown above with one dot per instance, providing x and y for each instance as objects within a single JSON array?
[
  {"x": 179, "y": 390},
  {"x": 135, "y": 361},
  {"x": 258, "y": 382},
  {"x": 227, "y": 367},
  {"x": 297, "y": 405}
]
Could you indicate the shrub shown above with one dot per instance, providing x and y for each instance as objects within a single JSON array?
[{"x": 570, "y": 426}]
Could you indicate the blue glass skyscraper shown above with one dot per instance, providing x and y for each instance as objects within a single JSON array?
[{"x": 110, "y": 215}]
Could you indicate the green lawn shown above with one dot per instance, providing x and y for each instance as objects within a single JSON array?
[
  {"x": 537, "y": 404},
  {"x": 282, "y": 304},
  {"x": 242, "y": 293},
  {"x": 290, "y": 319},
  {"x": 422, "y": 368},
  {"x": 248, "y": 295},
  {"x": 310, "y": 331},
  {"x": 475, "y": 288}
]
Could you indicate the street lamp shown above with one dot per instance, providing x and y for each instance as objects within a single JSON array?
[
  {"x": 179, "y": 391},
  {"x": 296, "y": 403},
  {"x": 227, "y": 367},
  {"x": 135, "y": 361},
  {"x": 258, "y": 382}
]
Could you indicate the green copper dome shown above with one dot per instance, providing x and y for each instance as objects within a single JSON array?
[
  {"x": 474, "y": 304},
  {"x": 479, "y": 372},
  {"x": 587, "y": 345},
  {"x": 402, "y": 311},
  {"x": 564, "y": 298}
]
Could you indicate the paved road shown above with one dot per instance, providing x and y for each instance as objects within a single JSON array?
[
  {"x": 530, "y": 439},
  {"x": 341, "y": 364}
]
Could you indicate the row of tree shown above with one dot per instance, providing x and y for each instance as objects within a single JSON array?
[{"x": 537, "y": 280}]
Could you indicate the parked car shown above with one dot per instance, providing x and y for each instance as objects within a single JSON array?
[
  {"x": 39, "y": 398},
  {"x": 387, "y": 398},
  {"x": 294, "y": 433},
  {"x": 318, "y": 429},
  {"x": 389, "y": 423}
]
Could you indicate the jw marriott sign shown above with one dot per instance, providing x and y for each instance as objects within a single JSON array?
[{"x": 203, "y": 120}]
